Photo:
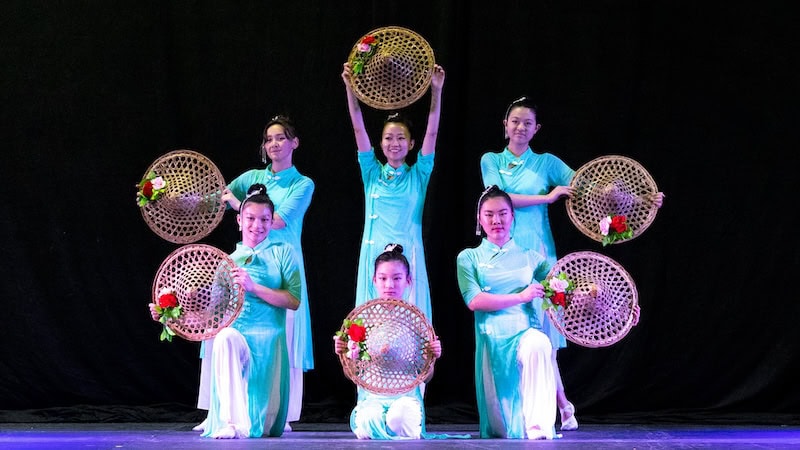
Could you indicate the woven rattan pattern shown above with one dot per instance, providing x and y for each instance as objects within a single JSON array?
[
  {"x": 398, "y": 335},
  {"x": 398, "y": 73},
  {"x": 600, "y": 312},
  {"x": 190, "y": 208},
  {"x": 612, "y": 185},
  {"x": 200, "y": 276}
]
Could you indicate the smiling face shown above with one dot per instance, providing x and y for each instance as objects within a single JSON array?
[
  {"x": 278, "y": 145},
  {"x": 255, "y": 221},
  {"x": 520, "y": 126},
  {"x": 396, "y": 142},
  {"x": 496, "y": 216},
  {"x": 391, "y": 279}
]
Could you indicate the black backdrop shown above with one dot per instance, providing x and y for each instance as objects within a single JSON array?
[{"x": 704, "y": 97}]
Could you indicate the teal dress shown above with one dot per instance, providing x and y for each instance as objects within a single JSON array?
[
  {"x": 291, "y": 192},
  {"x": 274, "y": 265},
  {"x": 501, "y": 270},
  {"x": 394, "y": 201},
  {"x": 530, "y": 174}
]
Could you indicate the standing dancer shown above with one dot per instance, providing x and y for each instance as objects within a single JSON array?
[
  {"x": 291, "y": 191},
  {"x": 394, "y": 192}
]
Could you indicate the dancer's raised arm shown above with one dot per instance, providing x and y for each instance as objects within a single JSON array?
[
  {"x": 432, "y": 131},
  {"x": 359, "y": 130}
]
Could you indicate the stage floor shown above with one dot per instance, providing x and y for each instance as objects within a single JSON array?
[{"x": 178, "y": 436}]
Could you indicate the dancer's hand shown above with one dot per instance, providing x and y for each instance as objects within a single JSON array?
[
  {"x": 339, "y": 346},
  {"x": 436, "y": 347}
]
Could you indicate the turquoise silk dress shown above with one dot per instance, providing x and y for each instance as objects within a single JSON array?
[
  {"x": 291, "y": 192},
  {"x": 501, "y": 270},
  {"x": 394, "y": 201},
  {"x": 266, "y": 374},
  {"x": 530, "y": 174}
]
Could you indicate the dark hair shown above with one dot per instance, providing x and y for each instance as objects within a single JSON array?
[
  {"x": 288, "y": 129},
  {"x": 524, "y": 102},
  {"x": 490, "y": 192},
  {"x": 257, "y": 193},
  {"x": 392, "y": 252},
  {"x": 398, "y": 117}
]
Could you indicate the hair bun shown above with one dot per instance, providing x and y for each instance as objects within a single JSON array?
[
  {"x": 257, "y": 189},
  {"x": 393, "y": 248}
]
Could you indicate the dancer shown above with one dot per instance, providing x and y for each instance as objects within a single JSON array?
[
  {"x": 400, "y": 416},
  {"x": 499, "y": 281},
  {"x": 249, "y": 365},
  {"x": 394, "y": 192}
]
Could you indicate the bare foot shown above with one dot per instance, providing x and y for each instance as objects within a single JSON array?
[
  {"x": 229, "y": 432},
  {"x": 535, "y": 432},
  {"x": 201, "y": 426}
]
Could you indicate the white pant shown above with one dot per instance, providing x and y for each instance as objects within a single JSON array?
[
  {"x": 230, "y": 367},
  {"x": 403, "y": 418},
  {"x": 537, "y": 384}
]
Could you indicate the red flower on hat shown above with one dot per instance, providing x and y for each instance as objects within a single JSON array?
[
  {"x": 559, "y": 299},
  {"x": 557, "y": 291},
  {"x": 150, "y": 189},
  {"x": 168, "y": 300},
  {"x": 614, "y": 228},
  {"x": 618, "y": 224},
  {"x": 354, "y": 335},
  {"x": 147, "y": 189},
  {"x": 168, "y": 309},
  {"x": 356, "y": 332}
]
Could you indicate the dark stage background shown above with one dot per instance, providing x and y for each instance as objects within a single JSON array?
[{"x": 705, "y": 97}]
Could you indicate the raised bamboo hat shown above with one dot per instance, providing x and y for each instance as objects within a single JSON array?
[
  {"x": 600, "y": 311},
  {"x": 392, "y": 67},
  {"x": 397, "y": 341},
  {"x": 199, "y": 275},
  {"x": 609, "y": 186},
  {"x": 189, "y": 206}
]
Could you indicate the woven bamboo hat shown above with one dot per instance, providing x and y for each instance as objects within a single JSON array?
[
  {"x": 191, "y": 206},
  {"x": 397, "y": 338},
  {"x": 200, "y": 277},
  {"x": 396, "y": 69},
  {"x": 608, "y": 186},
  {"x": 600, "y": 310}
]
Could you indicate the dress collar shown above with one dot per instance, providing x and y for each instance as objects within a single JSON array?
[
  {"x": 270, "y": 175},
  {"x": 510, "y": 161},
  {"x": 248, "y": 253},
  {"x": 496, "y": 249},
  {"x": 389, "y": 173}
]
